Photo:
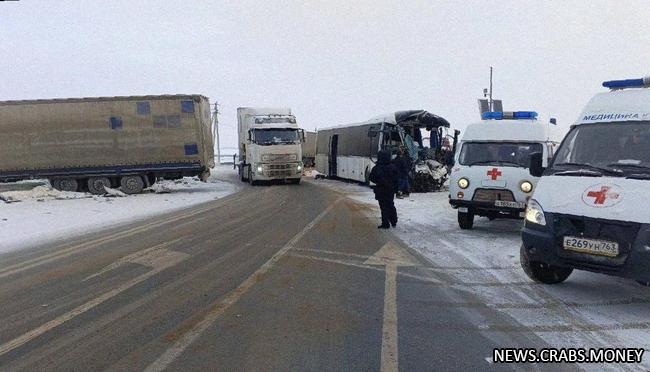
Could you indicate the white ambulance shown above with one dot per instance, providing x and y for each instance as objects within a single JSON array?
[
  {"x": 490, "y": 174},
  {"x": 591, "y": 208}
]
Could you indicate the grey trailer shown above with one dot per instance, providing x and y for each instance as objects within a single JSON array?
[{"x": 93, "y": 143}]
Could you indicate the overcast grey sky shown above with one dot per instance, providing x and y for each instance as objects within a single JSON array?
[{"x": 333, "y": 61}]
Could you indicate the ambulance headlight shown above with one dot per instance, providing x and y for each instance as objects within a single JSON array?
[
  {"x": 463, "y": 183},
  {"x": 535, "y": 213},
  {"x": 526, "y": 186}
]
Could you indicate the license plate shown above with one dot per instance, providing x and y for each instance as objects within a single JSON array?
[
  {"x": 509, "y": 204},
  {"x": 597, "y": 247}
]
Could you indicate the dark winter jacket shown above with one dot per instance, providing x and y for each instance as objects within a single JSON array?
[
  {"x": 385, "y": 176},
  {"x": 403, "y": 165}
]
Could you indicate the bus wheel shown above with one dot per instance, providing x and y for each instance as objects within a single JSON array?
[
  {"x": 131, "y": 184},
  {"x": 96, "y": 185},
  {"x": 541, "y": 272},
  {"x": 66, "y": 184},
  {"x": 466, "y": 220}
]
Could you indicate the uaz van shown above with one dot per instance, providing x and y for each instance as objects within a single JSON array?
[
  {"x": 490, "y": 175},
  {"x": 591, "y": 208}
]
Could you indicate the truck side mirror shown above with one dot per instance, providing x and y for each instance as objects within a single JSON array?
[
  {"x": 302, "y": 135},
  {"x": 536, "y": 169},
  {"x": 250, "y": 136}
]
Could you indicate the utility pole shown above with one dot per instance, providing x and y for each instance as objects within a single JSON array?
[
  {"x": 215, "y": 130},
  {"x": 488, "y": 93}
]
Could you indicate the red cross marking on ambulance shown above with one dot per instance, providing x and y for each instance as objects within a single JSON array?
[
  {"x": 494, "y": 173},
  {"x": 602, "y": 195}
]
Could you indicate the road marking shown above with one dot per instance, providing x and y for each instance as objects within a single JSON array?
[
  {"x": 221, "y": 306},
  {"x": 158, "y": 259},
  {"x": 391, "y": 256},
  {"x": 38, "y": 261},
  {"x": 144, "y": 257}
]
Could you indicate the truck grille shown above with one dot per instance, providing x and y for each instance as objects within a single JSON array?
[
  {"x": 490, "y": 195},
  {"x": 280, "y": 170},
  {"x": 279, "y": 158}
]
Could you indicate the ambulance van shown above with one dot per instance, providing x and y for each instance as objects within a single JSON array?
[
  {"x": 490, "y": 176},
  {"x": 591, "y": 208}
]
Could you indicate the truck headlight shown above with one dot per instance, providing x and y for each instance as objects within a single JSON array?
[
  {"x": 260, "y": 169},
  {"x": 526, "y": 186},
  {"x": 463, "y": 183},
  {"x": 299, "y": 167},
  {"x": 535, "y": 213}
]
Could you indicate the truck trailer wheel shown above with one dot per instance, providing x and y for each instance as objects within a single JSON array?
[
  {"x": 96, "y": 185},
  {"x": 541, "y": 272},
  {"x": 466, "y": 220},
  {"x": 65, "y": 184},
  {"x": 131, "y": 184}
]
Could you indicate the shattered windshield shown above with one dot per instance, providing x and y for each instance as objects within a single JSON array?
[
  {"x": 276, "y": 136},
  {"x": 502, "y": 153},
  {"x": 622, "y": 147}
]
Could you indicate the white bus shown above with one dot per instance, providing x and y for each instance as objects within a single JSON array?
[{"x": 350, "y": 151}]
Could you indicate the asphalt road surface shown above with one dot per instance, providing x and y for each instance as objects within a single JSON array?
[{"x": 284, "y": 277}]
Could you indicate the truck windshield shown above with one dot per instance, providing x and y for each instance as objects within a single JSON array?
[
  {"x": 620, "y": 148},
  {"x": 504, "y": 153},
  {"x": 276, "y": 136}
]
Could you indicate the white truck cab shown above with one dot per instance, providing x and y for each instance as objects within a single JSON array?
[
  {"x": 270, "y": 145},
  {"x": 490, "y": 174},
  {"x": 591, "y": 208}
]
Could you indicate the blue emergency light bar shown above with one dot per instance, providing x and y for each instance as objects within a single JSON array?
[
  {"x": 627, "y": 83},
  {"x": 500, "y": 115}
]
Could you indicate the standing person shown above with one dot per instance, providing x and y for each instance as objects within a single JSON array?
[
  {"x": 403, "y": 164},
  {"x": 385, "y": 177}
]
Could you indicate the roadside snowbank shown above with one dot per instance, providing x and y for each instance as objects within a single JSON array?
[
  {"x": 588, "y": 310},
  {"x": 41, "y": 214}
]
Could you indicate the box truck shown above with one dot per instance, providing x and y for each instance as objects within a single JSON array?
[
  {"x": 88, "y": 144},
  {"x": 269, "y": 145}
]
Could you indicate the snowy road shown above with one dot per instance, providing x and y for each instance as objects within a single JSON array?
[
  {"x": 300, "y": 279},
  {"x": 589, "y": 310}
]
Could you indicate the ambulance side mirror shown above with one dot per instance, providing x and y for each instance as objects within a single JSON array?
[{"x": 536, "y": 169}]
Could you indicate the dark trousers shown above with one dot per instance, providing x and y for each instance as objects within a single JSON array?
[{"x": 388, "y": 211}]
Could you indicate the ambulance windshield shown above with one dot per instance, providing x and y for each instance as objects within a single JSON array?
[
  {"x": 616, "y": 148},
  {"x": 515, "y": 154}
]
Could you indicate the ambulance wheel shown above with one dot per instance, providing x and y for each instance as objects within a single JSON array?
[
  {"x": 466, "y": 220},
  {"x": 541, "y": 272},
  {"x": 644, "y": 283}
]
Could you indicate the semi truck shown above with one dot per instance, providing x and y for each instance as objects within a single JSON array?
[
  {"x": 90, "y": 144},
  {"x": 269, "y": 145}
]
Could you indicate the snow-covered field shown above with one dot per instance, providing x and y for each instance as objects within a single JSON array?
[
  {"x": 38, "y": 214},
  {"x": 588, "y": 310}
]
